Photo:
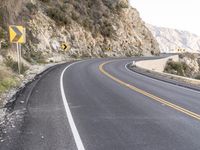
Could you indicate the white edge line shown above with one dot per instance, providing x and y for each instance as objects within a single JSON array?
[
  {"x": 73, "y": 127},
  {"x": 191, "y": 90}
]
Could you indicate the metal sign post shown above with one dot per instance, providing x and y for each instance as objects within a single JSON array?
[
  {"x": 18, "y": 36},
  {"x": 18, "y": 59},
  {"x": 19, "y": 56}
]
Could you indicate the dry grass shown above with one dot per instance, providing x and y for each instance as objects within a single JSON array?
[{"x": 8, "y": 80}]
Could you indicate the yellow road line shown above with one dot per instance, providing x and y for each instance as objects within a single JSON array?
[{"x": 153, "y": 97}]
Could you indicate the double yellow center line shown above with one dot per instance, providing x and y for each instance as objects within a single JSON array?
[{"x": 153, "y": 97}]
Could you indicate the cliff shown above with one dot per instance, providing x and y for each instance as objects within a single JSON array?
[
  {"x": 172, "y": 40},
  {"x": 92, "y": 28}
]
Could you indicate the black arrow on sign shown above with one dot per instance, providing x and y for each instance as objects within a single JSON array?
[
  {"x": 64, "y": 46},
  {"x": 18, "y": 34}
]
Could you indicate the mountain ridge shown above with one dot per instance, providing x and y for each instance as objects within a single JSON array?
[{"x": 174, "y": 40}]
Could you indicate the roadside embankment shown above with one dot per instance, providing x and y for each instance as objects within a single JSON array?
[
  {"x": 156, "y": 69},
  {"x": 157, "y": 65},
  {"x": 15, "y": 100}
]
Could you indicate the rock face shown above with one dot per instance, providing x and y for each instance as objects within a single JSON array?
[
  {"x": 92, "y": 28},
  {"x": 1, "y": 59},
  {"x": 193, "y": 63},
  {"x": 172, "y": 40},
  {"x": 188, "y": 65}
]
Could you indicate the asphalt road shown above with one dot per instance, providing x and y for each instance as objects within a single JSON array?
[{"x": 93, "y": 105}]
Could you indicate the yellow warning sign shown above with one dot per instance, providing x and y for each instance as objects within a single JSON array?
[
  {"x": 17, "y": 34},
  {"x": 65, "y": 46}
]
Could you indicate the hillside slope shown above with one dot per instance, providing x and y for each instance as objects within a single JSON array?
[
  {"x": 92, "y": 28},
  {"x": 170, "y": 40}
]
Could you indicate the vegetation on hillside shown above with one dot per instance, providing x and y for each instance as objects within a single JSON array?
[
  {"x": 93, "y": 28},
  {"x": 188, "y": 66},
  {"x": 9, "y": 62},
  {"x": 177, "y": 68},
  {"x": 7, "y": 80},
  {"x": 93, "y": 15}
]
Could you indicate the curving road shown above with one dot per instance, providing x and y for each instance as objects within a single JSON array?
[{"x": 101, "y": 105}]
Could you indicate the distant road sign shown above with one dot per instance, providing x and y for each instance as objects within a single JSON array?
[
  {"x": 17, "y": 34},
  {"x": 109, "y": 49},
  {"x": 65, "y": 46}
]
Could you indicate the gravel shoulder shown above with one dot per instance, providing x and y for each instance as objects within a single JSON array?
[{"x": 15, "y": 101}]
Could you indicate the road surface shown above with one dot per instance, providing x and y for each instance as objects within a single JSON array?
[{"x": 101, "y": 105}]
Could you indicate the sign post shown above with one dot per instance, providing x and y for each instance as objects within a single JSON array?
[
  {"x": 18, "y": 58},
  {"x": 18, "y": 36}
]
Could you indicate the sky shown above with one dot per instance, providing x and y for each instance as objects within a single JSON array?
[{"x": 177, "y": 14}]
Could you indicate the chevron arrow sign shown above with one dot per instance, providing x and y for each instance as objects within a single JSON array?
[
  {"x": 17, "y": 34},
  {"x": 65, "y": 46}
]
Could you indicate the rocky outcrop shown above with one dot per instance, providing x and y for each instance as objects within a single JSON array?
[
  {"x": 90, "y": 28},
  {"x": 193, "y": 63},
  {"x": 173, "y": 41},
  {"x": 187, "y": 66}
]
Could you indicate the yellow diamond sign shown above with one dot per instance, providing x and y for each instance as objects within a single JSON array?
[
  {"x": 17, "y": 34},
  {"x": 65, "y": 46}
]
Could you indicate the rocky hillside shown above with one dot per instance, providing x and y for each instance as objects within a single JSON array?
[
  {"x": 91, "y": 28},
  {"x": 188, "y": 66},
  {"x": 172, "y": 40}
]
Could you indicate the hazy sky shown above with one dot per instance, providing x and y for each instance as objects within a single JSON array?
[{"x": 179, "y": 14}]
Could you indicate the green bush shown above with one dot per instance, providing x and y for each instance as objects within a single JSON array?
[
  {"x": 34, "y": 57},
  {"x": 197, "y": 77},
  {"x": 109, "y": 4},
  {"x": 178, "y": 68},
  {"x": 107, "y": 29},
  {"x": 2, "y": 34},
  {"x": 152, "y": 52},
  {"x": 31, "y": 7},
  {"x": 138, "y": 54},
  {"x": 121, "y": 5},
  {"x": 55, "y": 14},
  {"x": 14, "y": 65},
  {"x": 75, "y": 15},
  {"x": 7, "y": 83},
  {"x": 94, "y": 33},
  {"x": 2, "y": 88},
  {"x": 93, "y": 15},
  {"x": 3, "y": 14},
  {"x": 3, "y": 52},
  {"x": 87, "y": 23},
  {"x": 128, "y": 54},
  {"x": 45, "y": 1},
  {"x": 5, "y": 45},
  {"x": 59, "y": 16},
  {"x": 7, "y": 80}
]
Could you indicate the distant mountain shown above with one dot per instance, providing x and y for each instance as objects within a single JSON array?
[{"x": 170, "y": 40}]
